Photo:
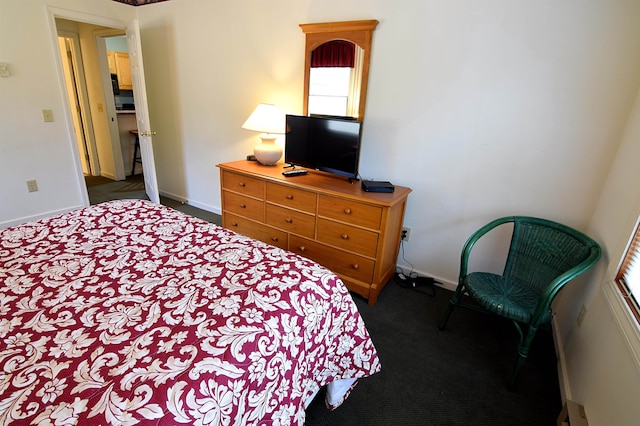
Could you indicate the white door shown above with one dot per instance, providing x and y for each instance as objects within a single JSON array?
[{"x": 142, "y": 111}]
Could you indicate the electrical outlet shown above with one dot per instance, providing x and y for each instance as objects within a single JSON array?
[
  {"x": 405, "y": 234},
  {"x": 32, "y": 185},
  {"x": 47, "y": 115},
  {"x": 4, "y": 69},
  {"x": 581, "y": 315}
]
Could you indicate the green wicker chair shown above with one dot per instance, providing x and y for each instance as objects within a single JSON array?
[{"x": 543, "y": 256}]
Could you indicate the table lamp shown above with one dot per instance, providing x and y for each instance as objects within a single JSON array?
[{"x": 269, "y": 120}]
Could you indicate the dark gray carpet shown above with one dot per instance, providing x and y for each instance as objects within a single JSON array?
[
  {"x": 453, "y": 377},
  {"x": 102, "y": 189}
]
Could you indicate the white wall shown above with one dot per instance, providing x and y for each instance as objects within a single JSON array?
[
  {"x": 29, "y": 147},
  {"x": 602, "y": 371},
  {"x": 247, "y": 53},
  {"x": 483, "y": 108}
]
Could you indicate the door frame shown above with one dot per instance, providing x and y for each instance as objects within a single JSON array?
[
  {"x": 117, "y": 26},
  {"x": 53, "y": 13}
]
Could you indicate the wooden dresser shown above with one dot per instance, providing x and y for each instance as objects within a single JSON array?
[{"x": 324, "y": 217}]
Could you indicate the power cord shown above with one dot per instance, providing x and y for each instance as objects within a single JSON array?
[
  {"x": 411, "y": 273},
  {"x": 412, "y": 280}
]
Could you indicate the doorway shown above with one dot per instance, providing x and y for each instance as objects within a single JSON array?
[
  {"x": 92, "y": 109},
  {"x": 105, "y": 148},
  {"x": 101, "y": 188}
]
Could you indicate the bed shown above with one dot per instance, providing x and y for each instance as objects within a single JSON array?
[{"x": 129, "y": 312}]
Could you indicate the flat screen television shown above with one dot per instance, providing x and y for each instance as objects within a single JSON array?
[{"x": 326, "y": 143}]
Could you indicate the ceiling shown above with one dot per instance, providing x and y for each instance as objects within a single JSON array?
[{"x": 138, "y": 2}]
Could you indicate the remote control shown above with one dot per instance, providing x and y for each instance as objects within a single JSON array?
[{"x": 289, "y": 173}]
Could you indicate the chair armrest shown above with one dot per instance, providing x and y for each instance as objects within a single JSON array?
[
  {"x": 556, "y": 285},
  {"x": 473, "y": 239}
]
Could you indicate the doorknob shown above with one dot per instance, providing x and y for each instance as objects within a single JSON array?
[{"x": 149, "y": 133}]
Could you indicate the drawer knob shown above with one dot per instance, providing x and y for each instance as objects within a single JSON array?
[
  {"x": 302, "y": 248},
  {"x": 355, "y": 266},
  {"x": 345, "y": 237},
  {"x": 234, "y": 224},
  {"x": 243, "y": 206},
  {"x": 242, "y": 184},
  {"x": 288, "y": 220},
  {"x": 275, "y": 239},
  {"x": 347, "y": 211},
  {"x": 289, "y": 197}
]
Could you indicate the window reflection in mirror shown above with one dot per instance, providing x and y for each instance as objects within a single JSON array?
[
  {"x": 329, "y": 90},
  {"x": 334, "y": 85},
  {"x": 335, "y": 90}
]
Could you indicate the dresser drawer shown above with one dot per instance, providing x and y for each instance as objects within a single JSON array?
[
  {"x": 348, "y": 237},
  {"x": 253, "y": 187},
  {"x": 255, "y": 230},
  {"x": 294, "y": 198},
  {"x": 243, "y": 206},
  {"x": 351, "y": 265},
  {"x": 291, "y": 221},
  {"x": 349, "y": 211}
]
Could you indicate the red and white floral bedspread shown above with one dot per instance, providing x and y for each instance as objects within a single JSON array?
[{"x": 129, "y": 312}]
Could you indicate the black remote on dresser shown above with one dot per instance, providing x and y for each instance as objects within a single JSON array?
[{"x": 290, "y": 173}]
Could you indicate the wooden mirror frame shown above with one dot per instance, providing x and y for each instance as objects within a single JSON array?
[{"x": 357, "y": 32}]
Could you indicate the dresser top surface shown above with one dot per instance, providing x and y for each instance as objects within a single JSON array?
[{"x": 317, "y": 181}]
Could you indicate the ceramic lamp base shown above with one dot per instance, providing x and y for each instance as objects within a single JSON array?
[{"x": 268, "y": 152}]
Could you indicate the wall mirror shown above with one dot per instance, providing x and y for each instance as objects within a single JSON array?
[{"x": 336, "y": 67}]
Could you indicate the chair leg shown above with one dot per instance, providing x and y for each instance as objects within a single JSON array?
[
  {"x": 455, "y": 301},
  {"x": 136, "y": 157},
  {"x": 445, "y": 317},
  {"x": 523, "y": 353}
]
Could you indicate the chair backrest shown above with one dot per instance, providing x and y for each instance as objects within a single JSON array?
[{"x": 542, "y": 251}]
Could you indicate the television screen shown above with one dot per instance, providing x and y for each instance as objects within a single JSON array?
[{"x": 329, "y": 144}]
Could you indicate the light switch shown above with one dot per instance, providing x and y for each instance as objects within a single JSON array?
[
  {"x": 4, "y": 69},
  {"x": 47, "y": 114}
]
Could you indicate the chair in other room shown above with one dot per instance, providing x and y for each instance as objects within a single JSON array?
[
  {"x": 137, "y": 155},
  {"x": 543, "y": 256}
]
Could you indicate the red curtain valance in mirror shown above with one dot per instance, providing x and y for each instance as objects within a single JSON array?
[{"x": 335, "y": 53}]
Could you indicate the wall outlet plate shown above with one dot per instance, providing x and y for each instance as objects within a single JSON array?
[
  {"x": 406, "y": 233},
  {"x": 581, "y": 315},
  {"x": 4, "y": 69},
  {"x": 32, "y": 185},
  {"x": 47, "y": 115}
]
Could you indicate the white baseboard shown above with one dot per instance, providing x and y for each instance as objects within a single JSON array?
[
  {"x": 25, "y": 219},
  {"x": 449, "y": 285},
  {"x": 192, "y": 203},
  {"x": 206, "y": 207},
  {"x": 108, "y": 175},
  {"x": 173, "y": 196}
]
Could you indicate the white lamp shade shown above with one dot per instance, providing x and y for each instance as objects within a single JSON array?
[{"x": 268, "y": 119}]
